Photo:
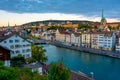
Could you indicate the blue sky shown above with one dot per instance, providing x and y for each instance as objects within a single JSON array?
[{"x": 84, "y": 9}]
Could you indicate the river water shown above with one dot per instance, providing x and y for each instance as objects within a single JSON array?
[{"x": 104, "y": 68}]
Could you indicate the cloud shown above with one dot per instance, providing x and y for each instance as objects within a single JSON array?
[
  {"x": 16, "y": 18},
  {"x": 86, "y": 7}
]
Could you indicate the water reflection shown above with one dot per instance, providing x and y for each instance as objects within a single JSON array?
[{"x": 104, "y": 68}]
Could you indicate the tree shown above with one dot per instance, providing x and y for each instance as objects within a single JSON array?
[
  {"x": 17, "y": 61},
  {"x": 38, "y": 53},
  {"x": 109, "y": 27},
  {"x": 58, "y": 71},
  {"x": 118, "y": 27},
  {"x": 55, "y": 27},
  {"x": 84, "y": 26},
  {"x": 7, "y": 73},
  {"x": 11, "y": 73}
]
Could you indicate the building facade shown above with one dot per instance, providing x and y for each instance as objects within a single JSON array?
[
  {"x": 86, "y": 40},
  {"x": 5, "y": 55},
  {"x": 17, "y": 44}
]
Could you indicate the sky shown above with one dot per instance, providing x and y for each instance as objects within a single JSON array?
[{"x": 23, "y": 11}]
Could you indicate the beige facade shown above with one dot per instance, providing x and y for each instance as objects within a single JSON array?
[
  {"x": 86, "y": 40},
  {"x": 94, "y": 41},
  {"x": 63, "y": 36}
]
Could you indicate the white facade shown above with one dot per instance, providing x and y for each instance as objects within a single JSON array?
[
  {"x": 63, "y": 36},
  {"x": 18, "y": 45},
  {"x": 86, "y": 41},
  {"x": 118, "y": 45},
  {"x": 94, "y": 40},
  {"x": 76, "y": 40},
  {"x": 46, "y": 36},
  {"x": 106, "y": 41}
]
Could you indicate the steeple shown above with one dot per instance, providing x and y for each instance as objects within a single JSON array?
[
  {"x": 102, "y": 14},
  {"x": 9, "y": 26},
  {"x": 103, "y": 20},
  {"x": 102, "y": 17}
]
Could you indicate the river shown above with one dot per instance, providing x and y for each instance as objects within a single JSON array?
[{"x": 104, "y": 68}]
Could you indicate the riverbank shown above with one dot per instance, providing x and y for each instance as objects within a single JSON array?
[{"x": 89, "y": 50}]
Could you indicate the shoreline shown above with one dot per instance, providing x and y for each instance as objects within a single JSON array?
[{"x": 89, "y": 50}]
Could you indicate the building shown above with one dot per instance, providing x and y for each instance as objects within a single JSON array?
[
  {"x": 117, "y": 46},
  {"x": 94, "y": 40},
  {"x": 103, "y": 21},
  {"x": 36, "y": 67},
  {"x": 63, "y": 36},
  {"x": 76, "y": 39},
  {"x": 106, "y": 40},
  {"x": 86, "y": 40},
  {"x": 70, "y": 25},
  {"x": 5, "y": 55},
  {"x": 17, "y": 44}
]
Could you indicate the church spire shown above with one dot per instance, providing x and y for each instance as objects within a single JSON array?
[
  {"x": 102, "y": 17},
  {"x": 102, "y": 14},
  {"x": 9, "y": 26},
  {"x": 103, "y": 20}
]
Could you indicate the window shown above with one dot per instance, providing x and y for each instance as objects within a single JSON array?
[
  {"x": 23, "y": 40},
  {"x": 5, "y": 41},
  {"x": 27, "y": 45},
  {"x": 17, "y": 51},
  {"x": 16, "y": 40},
  {"x": 18, "y": 46},
  {"x": 23, "y": 51},
  {"x": 12, "y": 46},
  {"x": 27, "y": 55},
  {"x": 28, "y": 50},
  {"x": 11, "y": 41}
]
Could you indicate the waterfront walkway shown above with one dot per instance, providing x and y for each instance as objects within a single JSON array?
[
  {"x": 79, "y": 76},
  {"x": 90, "y": 50}
]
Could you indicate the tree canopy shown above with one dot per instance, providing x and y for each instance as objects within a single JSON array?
[
  {"x": 55, "y": 27},
  {"x": 10, "y": 73},
  {"x": 84, "y": 26},
  {"x": 58, "y": 71},
  {"x": 38, "y": 53}
]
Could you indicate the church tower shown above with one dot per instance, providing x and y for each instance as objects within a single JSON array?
[
  {"x": 103, "y": 21},
  {"x": 9, "y": 26}
]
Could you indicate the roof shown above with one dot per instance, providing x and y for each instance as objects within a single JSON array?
[
  {"x": 63, "y": 31},
  {"x": 4, "y": 37},
  {"x": 33, "y": 65},
  {"x": 79, "y": 76},
  {"x": 5, "y": 48},
  {"x": 76, "y": 34},
  {"x": 118, "y": 35},
  {"x": 103, "y": 32}
]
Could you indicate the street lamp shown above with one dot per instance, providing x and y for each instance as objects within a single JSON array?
[{"x": 92, "y": 75}]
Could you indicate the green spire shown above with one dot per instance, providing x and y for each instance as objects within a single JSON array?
[
  {"x": 102, "y": 14},
  {"x": 8, "y": 26},
  {"x": 102, "y": 17}
]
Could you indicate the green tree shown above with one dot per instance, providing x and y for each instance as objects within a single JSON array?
[
  {"x": 11, "y": 73},
  {"x": 38, "y": 53},
  {"x": 58, "y": 71},
  {"x": 17, "y": 61},
  {"x": 118, "y": 27},
  {"x": 84, "y": 26},
  {"x": 55, "y": 27},
  {"x": 109, "y": 27}
]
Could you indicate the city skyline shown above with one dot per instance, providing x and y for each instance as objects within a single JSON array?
[{"x": 23, "y": 11}]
